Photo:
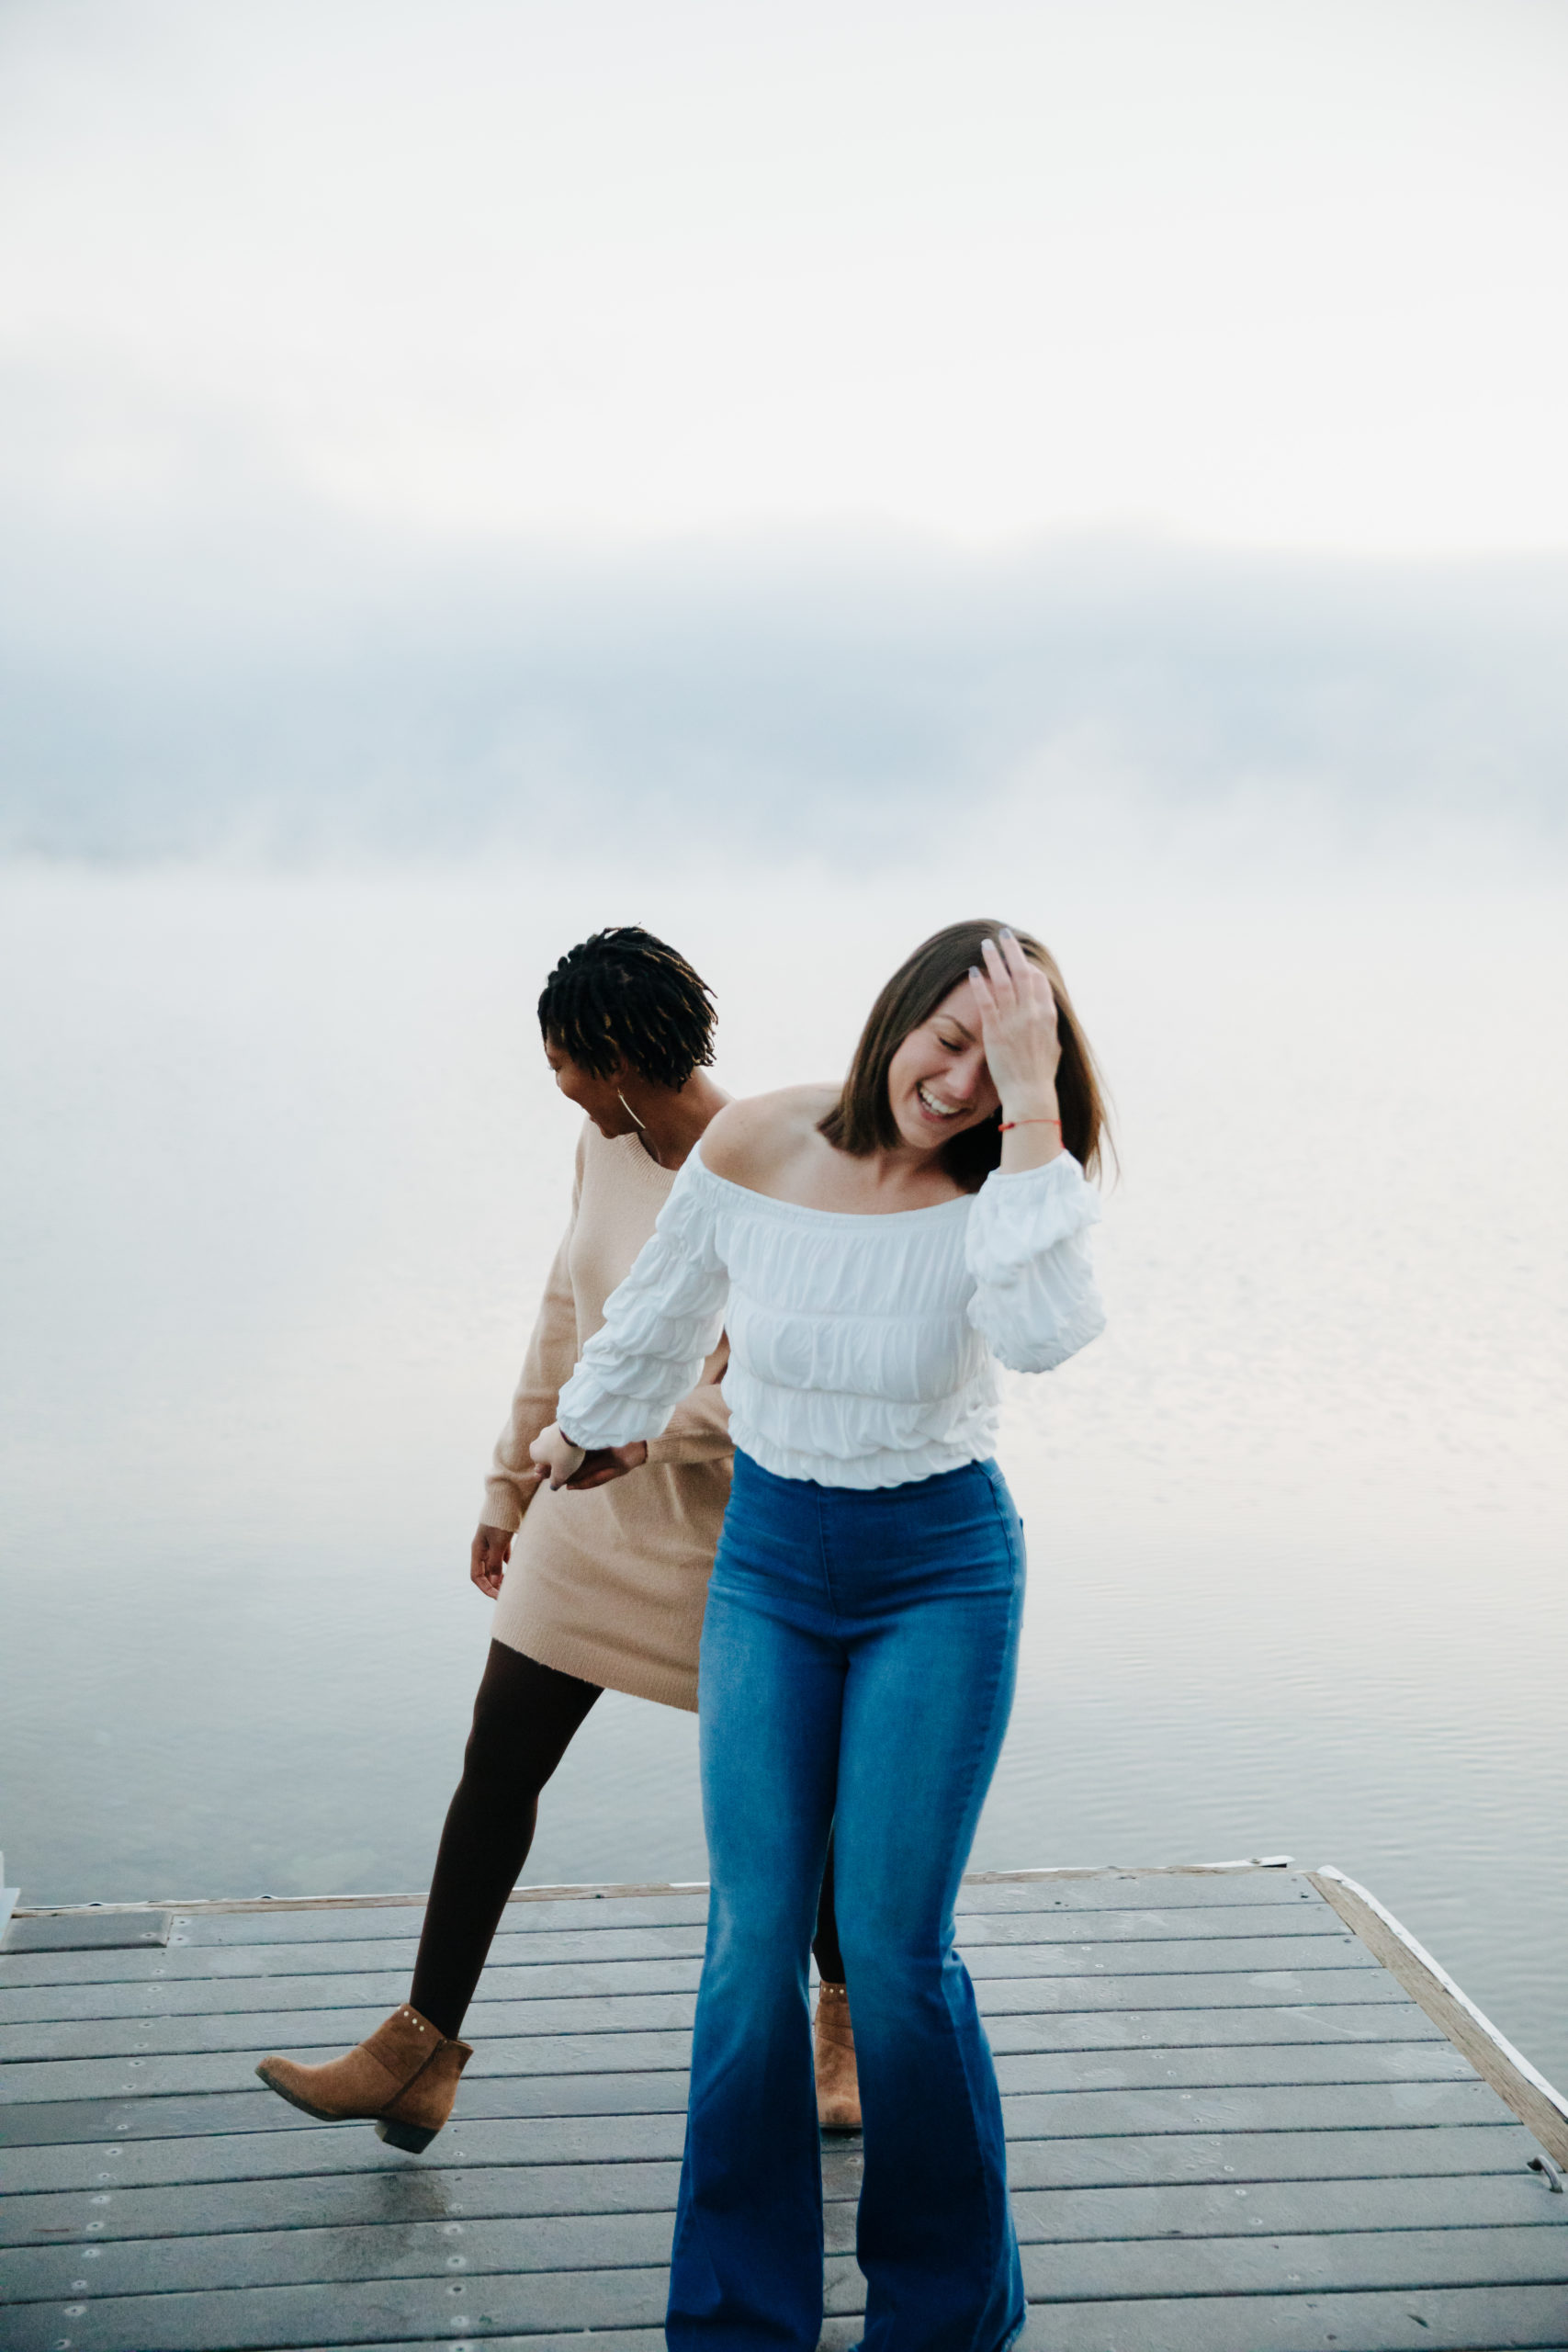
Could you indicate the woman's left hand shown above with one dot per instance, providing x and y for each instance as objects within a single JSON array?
[{"x": 1018, "y": 1027}]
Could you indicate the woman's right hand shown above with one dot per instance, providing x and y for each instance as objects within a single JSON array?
[{"x": 488, "y": 1555}]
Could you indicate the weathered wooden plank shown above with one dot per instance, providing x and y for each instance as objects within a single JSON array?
[
  {"x": 190, "y": 1929},
  {"x": 178, "y": 1992},
  {"x": 362, "y": 1952},
  {"x": 475, "y": 2143},
  {"x": 1119, "y": 2113},
  {"x": 1259, "y": 1988},
  {"x": 1062, "y": 2268},
  {"x": 306, "y": 2257},
  {"x": 219, "y": 1962},
  {"x": 1241, "y": 1956},
  {"x": 1285, "y": 2209},
  {"x": 1160, "y": 2067},
  {"x": 367, "y": 1943},
  {"x": 598, "y": 2052},
  {"x": 87, "y": 1931},
  {"x": 1164, "y": 1890},
  {"x": 1168, "y": 1890},
  {"x": 1199, "y": 2027},
  {"x": 419, "y": 2195},
  {"x": 1340, "y": 2107},
  {"x": 1510, "y": 2319},
  {"x": 351, "y": 1953},
  {"x": 605, "y": 2043},
  {"x": 391, "y": 2195},
  {"x": 354, "y": 1952},
  {"x": 522, "y": 2039},
  {"x": 522, "y": 2087},
  {"x": 540, "y": 2301},
  {"x": 541, "y": 2077},
  {"x": 258, "y": 2113},
  {"x": 1271, "y": 1866},
  {"x": 1147, "y": 2030},
  {"x": 1314, "y": 2063},
  {"x": 1486, "y": 2319},
  {"x": 1196, "y": 2029},
  {"x": 603, "y": 2341},
  {"x": 153, "y": 2077},
  {"x": 21, "y": 2009},
  {"x": 255, "y": 2319},
  {"x": 1206, "y": 1925},
  {"x": 1133, "y": 2029},
  {"x": 326, "y": 2031},
  {"x": 548, "y": 1979},
  {"x": 254, "y": 2111},
  {"x": 1336, "y": 2263},
  {"x": 566, "y": 2000},
  {"x": 320, "y": 2148},
  {"x": 1164, "y": 1941},
  {"x": 1531, "y": 2097}
]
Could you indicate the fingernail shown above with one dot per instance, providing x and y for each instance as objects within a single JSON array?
[{"x": 1008, "y": 932}]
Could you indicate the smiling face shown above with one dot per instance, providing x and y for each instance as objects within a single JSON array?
[
  {"x": 600, "y": 1098},
  {"x": 938, "y": 1083}
]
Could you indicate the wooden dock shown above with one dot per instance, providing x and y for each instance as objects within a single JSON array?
[{"x": 1244, "y": 2112}]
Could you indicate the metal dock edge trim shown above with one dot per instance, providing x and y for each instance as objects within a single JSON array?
[{"x": 1540, "y": 2108}]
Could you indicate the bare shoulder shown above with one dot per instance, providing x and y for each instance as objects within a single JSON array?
[{"x": 751, "y": 1142}]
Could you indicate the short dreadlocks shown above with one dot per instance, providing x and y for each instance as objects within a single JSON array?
[{"x": 625, "y": 996}]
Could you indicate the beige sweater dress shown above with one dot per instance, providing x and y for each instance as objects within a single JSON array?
[{"x": 609, "y": 1584}]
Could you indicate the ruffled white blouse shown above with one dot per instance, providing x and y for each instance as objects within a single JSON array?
[{"x": 861, "y": 1348}]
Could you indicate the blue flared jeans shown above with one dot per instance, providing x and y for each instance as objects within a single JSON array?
[{"x": 858, "y": 1660}]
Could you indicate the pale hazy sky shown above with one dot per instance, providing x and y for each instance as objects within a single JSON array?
[{"x": 591, "y": 271}]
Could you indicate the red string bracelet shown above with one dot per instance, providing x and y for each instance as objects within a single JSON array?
[{"x": 1006, "y": 1123}]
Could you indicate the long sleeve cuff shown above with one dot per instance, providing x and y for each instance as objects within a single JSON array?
[
  {"x": 505, "y": 1504},
  {"x": 1035, "y": 1298}
]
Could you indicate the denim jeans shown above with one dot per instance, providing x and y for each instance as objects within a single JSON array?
[{"x": 858, "y": 1660}]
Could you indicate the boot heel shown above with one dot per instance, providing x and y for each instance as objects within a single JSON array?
[{"x": 407, "y": 2136}]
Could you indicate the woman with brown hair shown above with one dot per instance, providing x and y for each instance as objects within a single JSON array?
[
  {"x": 599, "y": 1590},
  {"x": 869, "y": 1249}
]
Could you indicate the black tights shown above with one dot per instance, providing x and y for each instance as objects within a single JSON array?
[{"x": 525, "y": 1718}]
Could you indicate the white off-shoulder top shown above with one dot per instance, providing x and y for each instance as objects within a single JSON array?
[{"x": 861, "y": 1348}]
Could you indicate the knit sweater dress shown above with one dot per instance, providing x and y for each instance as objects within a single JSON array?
[{"x": 610, "y": 1585}]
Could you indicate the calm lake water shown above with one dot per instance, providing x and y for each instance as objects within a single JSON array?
[{"x": 282, "y": 1175}]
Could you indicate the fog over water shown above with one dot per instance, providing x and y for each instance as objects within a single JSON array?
[
  {"x": 260, "y": 676},
  {"x": 284, "y": 1171}
]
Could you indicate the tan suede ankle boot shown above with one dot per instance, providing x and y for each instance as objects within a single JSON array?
[
  {"x": 838, "y": 2085},
  {"x": 403, "y": 2079}
]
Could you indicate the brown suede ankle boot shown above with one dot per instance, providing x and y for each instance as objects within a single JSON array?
[
  {"x": 404, "y": 2079},
  {"x": 838, "y": 2085}
]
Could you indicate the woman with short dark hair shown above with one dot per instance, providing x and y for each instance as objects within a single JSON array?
[
  {"x": 607, "y": 1585},
  {"x": 869, "y": 1249}
]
